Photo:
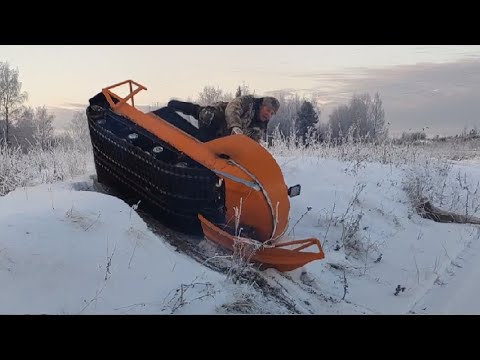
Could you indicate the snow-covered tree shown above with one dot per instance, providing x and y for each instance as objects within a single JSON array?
[{"x": 11, "y": 97}]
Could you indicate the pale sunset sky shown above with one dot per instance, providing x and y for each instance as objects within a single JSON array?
[{"x": 435, "y": 86}]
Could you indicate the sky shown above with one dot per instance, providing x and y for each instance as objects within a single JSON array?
[
  {"x": 421, "y": 86},
  {"x": 71, "y": 248}
]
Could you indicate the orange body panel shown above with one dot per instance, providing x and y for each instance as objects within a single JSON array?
[{"x": 266, "y": 211}]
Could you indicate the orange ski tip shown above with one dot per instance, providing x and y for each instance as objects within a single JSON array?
[{"x": 276, "y": 255}]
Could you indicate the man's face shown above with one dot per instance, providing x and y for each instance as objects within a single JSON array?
[{"x": 265, "y": 113}]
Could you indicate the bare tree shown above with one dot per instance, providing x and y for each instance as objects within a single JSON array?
[
  {"x": 339, "y": 122},
  {"x": 284, "y": 119},
  {"x": 78, "y": 129},
  {"x": 360, "y": 113},
  {"x": 362, "y": 118},
  {"x": 210, "y": 95},
  {"x": 11, "y": 95},
  {"x": 23, "y": 128},
  {"x": 43, "y": 122},
  {"x": 244, "y": 89},
  {"x": 378, "y": 118}
]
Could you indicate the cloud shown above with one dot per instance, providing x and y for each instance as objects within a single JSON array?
[
  {"x": 444, "y": 97},
  {"x": 74, "y": 106}
]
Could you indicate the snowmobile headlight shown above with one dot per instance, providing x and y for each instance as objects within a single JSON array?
[{"x": 294, "y": 190}]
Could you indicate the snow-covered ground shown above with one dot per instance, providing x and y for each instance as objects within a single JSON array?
[{"x": 66, "y": 249}]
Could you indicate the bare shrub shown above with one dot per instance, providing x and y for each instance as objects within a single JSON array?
[
  {"x": 40, "y": 165},
  {"x": 188, "y": 293},
  {"x": 433, "y": 180}
]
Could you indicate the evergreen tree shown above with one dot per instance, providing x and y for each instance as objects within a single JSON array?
[{"x": 306, "y": 120}]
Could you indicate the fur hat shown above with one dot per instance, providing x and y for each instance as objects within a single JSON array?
[{"x": 271, "y": 102}]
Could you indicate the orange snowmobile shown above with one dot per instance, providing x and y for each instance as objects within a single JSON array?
[{"x": 230, "y": 188}]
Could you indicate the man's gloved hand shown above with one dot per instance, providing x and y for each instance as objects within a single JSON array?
[
  {"x": 206, "y": 115},
  {"x": 96, "y": 112},
  {"x": 237, "y": 131}
]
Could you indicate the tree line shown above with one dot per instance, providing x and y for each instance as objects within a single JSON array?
[
  {"x": 25, "y": 126},
  {"x": 363, "y": 118}
]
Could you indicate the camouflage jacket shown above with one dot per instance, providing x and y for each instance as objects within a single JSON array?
[{"x": 241, "y": 112}]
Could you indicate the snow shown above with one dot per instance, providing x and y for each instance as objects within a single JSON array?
[{"x": 68, "y": 249}]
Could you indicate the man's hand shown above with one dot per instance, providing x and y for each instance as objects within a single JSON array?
[
  {"x": 206, "y": 115},
  {"x": 237, "y": 131}
]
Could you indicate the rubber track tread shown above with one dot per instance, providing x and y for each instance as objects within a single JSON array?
[{"x": 178, "y": 193}]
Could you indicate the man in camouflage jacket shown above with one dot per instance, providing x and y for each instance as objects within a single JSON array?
[{"x": 246, "y": 115}]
